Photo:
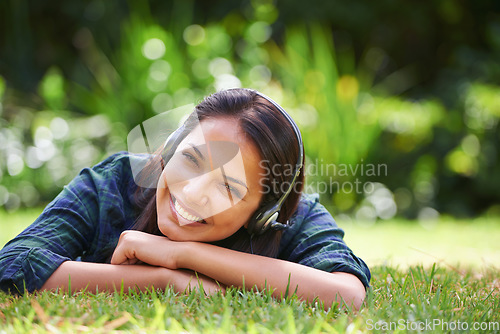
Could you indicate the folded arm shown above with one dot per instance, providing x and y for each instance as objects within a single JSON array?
[
  {"x": 107, "y": 277},
  {"x": 237, "y": 268},
  {"x": 233, "y": 268}
]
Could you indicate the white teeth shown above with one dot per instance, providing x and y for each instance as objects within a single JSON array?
[{"x": 185, "y": 214}]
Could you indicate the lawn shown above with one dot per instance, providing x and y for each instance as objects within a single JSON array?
[
  {"x": 472, "y": 244},
  {"x": 450, "y": 296}
]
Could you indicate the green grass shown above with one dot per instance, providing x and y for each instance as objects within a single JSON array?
[
  {"x": 472, "y": 244},
  {"x": 404, "y": 294},
  {"x": 405, "y": 298}
]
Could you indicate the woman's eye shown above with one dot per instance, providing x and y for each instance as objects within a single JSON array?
[
  {"x": 191, "y": 158},
  {"x": 230, "y": 189}
]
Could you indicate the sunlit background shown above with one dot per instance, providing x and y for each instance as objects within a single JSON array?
[{"x": 414, "y": 88}]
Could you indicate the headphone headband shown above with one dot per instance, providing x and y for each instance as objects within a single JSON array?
[
  {"x": 298, "y": 165},
  {"x": 265, "y": 218}
]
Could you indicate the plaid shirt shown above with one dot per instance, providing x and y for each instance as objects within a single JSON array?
[{"x": 86, "y": 219}]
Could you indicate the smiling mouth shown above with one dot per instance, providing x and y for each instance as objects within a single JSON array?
[{"x": 183, "y": 213}]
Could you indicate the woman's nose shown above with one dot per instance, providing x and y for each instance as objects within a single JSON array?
[{"x": 195, "y": 190}]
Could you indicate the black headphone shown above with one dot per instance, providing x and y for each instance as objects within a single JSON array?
[{"x": 264, "y": 218}]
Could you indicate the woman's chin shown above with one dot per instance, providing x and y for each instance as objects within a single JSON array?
[
  {"x": 171, "y": 230},
  {"x": 166, "y": 230}
]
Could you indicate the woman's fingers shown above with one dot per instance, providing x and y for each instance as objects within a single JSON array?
[
  {"x": 131, "y": 261},
  {"x": 135, "y": 247},
  {"x": 124, "y": 252},
  {"x": 119, "y": 257}
]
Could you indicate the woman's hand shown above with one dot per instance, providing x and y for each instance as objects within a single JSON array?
[{"x": 136, "y": 246}]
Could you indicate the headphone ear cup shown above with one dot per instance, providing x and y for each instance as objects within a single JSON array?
[{"x": 262, "y": 219}]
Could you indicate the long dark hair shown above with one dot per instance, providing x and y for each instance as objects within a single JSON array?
[{"x": 274, "y": 137}]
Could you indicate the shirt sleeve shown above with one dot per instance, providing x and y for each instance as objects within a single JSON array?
[
  {"x": 67, "y": 229},
  {"x": 315, "y": 240}
]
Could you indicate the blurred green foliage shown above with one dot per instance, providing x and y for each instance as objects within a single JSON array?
[{"x": 370, "y": 84}]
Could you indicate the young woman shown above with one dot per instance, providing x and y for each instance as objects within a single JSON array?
[{"x": 223, "y": 182}]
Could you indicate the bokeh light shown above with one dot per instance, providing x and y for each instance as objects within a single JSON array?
[
  {"x": 194, "y": 34},
  {"x": 153, "y": 48}
]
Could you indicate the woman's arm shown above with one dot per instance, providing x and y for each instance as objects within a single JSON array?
[
  {"x": 85, "y": 219},
  {"x": 236, "y": 268},
  {"x": 107, "y": 277}
]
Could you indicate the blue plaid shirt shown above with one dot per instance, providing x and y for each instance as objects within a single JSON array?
[{"x": 86, "y": 219}]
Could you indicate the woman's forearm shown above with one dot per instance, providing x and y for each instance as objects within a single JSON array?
[
  {"x": 100, "y": 276},
  {"x": 237, "y": 268},
  {"x": 240, "y": 269}
]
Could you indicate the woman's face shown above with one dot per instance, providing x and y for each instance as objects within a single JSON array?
[{"x": 211, "y": 186}]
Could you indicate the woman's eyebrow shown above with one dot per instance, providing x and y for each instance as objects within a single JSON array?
[
  {"x": 232, "y": 179},
  {"x": 202, "y": 157}
]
